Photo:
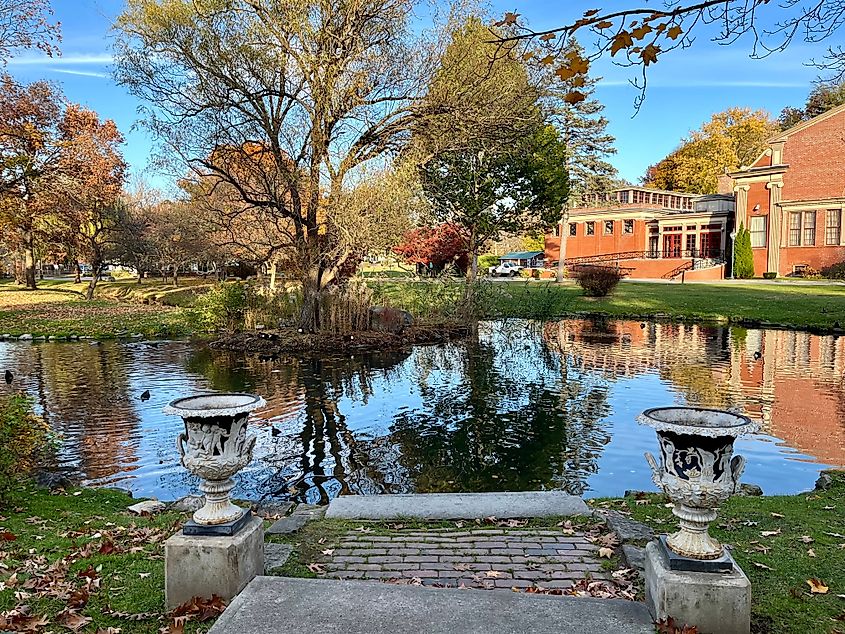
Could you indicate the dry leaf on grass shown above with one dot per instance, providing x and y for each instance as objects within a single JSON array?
[
  {"x": 817, "y": 587},
  {"x": 606, "y": 553}
]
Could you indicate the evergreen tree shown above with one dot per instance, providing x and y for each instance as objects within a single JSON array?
[{"x": 743, "y": 255}]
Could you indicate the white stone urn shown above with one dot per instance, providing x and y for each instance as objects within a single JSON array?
[
  {"x": 215, "y": 446},
  {"x": 698, "y": 471}
]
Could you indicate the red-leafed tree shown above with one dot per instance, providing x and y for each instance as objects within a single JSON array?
[{"x": 434, "y": 247}]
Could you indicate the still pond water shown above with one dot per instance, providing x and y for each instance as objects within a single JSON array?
[{"x": 526, "y": 406}]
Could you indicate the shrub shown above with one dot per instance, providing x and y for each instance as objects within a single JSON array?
[
  {"x": 223, "y": 307},
  {"x": 486, "y": 261},
  {"x": 770, "y": 275},
  {"x": 807, "y": 271},
  {"x": 598, "y": 281},
  {"x": 743, "y": 255},
  {"x": 835, "y": 271},
  {"x": 25, "y": 438}
]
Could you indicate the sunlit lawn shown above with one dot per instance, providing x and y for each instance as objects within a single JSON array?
[
  {"x": 59, "y": 308},
  {"x": 821, "y": 306}
]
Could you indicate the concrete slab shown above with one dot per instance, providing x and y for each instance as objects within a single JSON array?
[
  {"x": 447, "y": 506},
  {"x": 287, "y": 525},
  {"x": 281, "y": 604},
  {"x": 276, "y": 555}
]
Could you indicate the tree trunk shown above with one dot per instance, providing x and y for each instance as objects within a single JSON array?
[
  {"x": 564, "y": 234},
  {"x": 78, "y": 279},
  {"x": 140, "y": 275},
  {"x": 96, "y": 269},
  {"x": 29, "y": 261},
  {"x": 273, "y": 276},
  {"x": 175, "y": 277},
  {"x": 309, "y": 316}
]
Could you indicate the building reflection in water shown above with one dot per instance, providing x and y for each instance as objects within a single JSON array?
[{"x": 792, "y": 382}]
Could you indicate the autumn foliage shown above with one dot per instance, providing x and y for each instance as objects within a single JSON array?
[{"x": 436, "y": 246}]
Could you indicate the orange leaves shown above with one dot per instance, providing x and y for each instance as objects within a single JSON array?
[
  {"x": 668, "y": 626},
  {"x": 6, "y": 536},
  {"x": 674, "y": 32}
]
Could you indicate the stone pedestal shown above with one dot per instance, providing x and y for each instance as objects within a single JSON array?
[
  {"x": 203, "y": 565},
  {"x": 715, "y": 602}
]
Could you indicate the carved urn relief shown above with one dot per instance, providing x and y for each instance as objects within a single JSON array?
[
  {"x": 215, "y": 446},
  {"x": 697, "y": 471}
]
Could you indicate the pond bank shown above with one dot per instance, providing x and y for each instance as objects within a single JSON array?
[{"x": 271, "y": 343}]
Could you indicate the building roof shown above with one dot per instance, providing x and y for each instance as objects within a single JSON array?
[
  {"x": 783, "y": 136},
  {"x": 520, "y": 255}
]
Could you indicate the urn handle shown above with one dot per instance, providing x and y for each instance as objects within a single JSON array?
[
  {"x": 180, "y": 445},
  {"x": 655, "y": 470},
  {"x": 737, "y": 468}
]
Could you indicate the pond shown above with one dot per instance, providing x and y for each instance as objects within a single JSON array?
[{"x": 525, "y": 406}]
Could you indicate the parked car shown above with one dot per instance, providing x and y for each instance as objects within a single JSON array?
[{"x": 505, "y": 269}]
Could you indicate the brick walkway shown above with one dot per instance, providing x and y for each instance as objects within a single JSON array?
[{"x": 482, "y": 558}]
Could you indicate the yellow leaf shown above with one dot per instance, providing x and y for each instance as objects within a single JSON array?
[
  {"x": 548, "y": 59},
  {"x": 817, "y": 587},
  {"x": 564, "y": 73}
]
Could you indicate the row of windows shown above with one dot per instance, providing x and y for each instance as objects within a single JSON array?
[
  {"x": 802, "y": 229},
  {"x": 609, "y": 225}
]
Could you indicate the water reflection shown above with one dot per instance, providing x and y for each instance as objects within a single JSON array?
[{"x": 523, "y": 406}]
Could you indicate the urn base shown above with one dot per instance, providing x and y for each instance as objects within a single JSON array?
[
  {"x": 219, "y": 530},
  {"x": 679, "y": 562}
]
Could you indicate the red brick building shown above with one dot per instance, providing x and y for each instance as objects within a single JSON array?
[
  {"x": 792, "y": 199},
  {"x": 648, "y": 233}
]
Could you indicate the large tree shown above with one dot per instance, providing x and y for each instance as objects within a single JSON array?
[
  {"x": 30, "y": 151},
  {"x": 320, "y": 87},
  {"x": 492, "y": 164},
  {"x": 730, "y": 140},
  {"x": 90, "y": 183}
]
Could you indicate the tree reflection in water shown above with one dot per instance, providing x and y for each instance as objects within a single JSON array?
[{"x": 515, "y": 419}]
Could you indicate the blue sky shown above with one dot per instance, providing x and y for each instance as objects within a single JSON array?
[{"x": 685, "y": 87}]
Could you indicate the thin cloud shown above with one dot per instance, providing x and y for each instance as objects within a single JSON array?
[
  {"x": 81, "y": 73},
  {"x": 62, "y": 61},
  {"x": 611, "y": 83}
]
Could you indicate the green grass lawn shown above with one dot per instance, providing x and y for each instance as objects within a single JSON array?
[
  {"x": 818, "y": 306},
  {"x": 781, "y": 542},
  {"x": 59, "y": 308},
  {"x": 81, "y": 555}
]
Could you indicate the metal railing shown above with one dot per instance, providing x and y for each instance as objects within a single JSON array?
[{"x": 714, "y": 256}]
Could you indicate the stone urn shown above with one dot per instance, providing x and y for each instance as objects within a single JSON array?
[
  {"x": 698, "y": 471},
  {"x": 215, "y": 446}
]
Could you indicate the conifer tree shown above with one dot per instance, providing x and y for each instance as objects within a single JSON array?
[{"x": 743, "y": 255}]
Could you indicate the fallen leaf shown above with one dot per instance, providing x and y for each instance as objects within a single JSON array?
[
  {"x": 761, "y": 566},
  {"x": 770, "y": 533},
  {"x": 328, "y": 551},
  {"x": 316, "y": 569},
  {"x": 806, "y": 539},
  {"x": 144, "y": 575},
  {"x": 494, "y": 573},
  {"x": 72, "y": 620},
  {"x": 606, "y": 553},
  {"x": 817, "y": 587},
  {"x": 811, "y": 553},
  {"x": 776, "y": 515}
]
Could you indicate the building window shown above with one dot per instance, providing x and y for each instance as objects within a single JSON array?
[
  {"x": 691, "y": 245},
  {"x": 628, "y": 226},
  {"x": 591, "y": 228},
  {"x": 833, "y": 227},
  {"x": 573, "y": 229},
  {"x": 608, "y": 227},
  {"x": 795, "y": 229},
  {"x": 556, "y": 231},
  {"x": 809, "y": 228},
  {"x": 758, "y": 231}
]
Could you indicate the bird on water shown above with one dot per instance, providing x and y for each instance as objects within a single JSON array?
[{"x": 145, "y": 396}]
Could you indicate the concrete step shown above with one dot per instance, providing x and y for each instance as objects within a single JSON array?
[
  {"x": 280, "y": 604},
  {"x": 447, "y": 506}
]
